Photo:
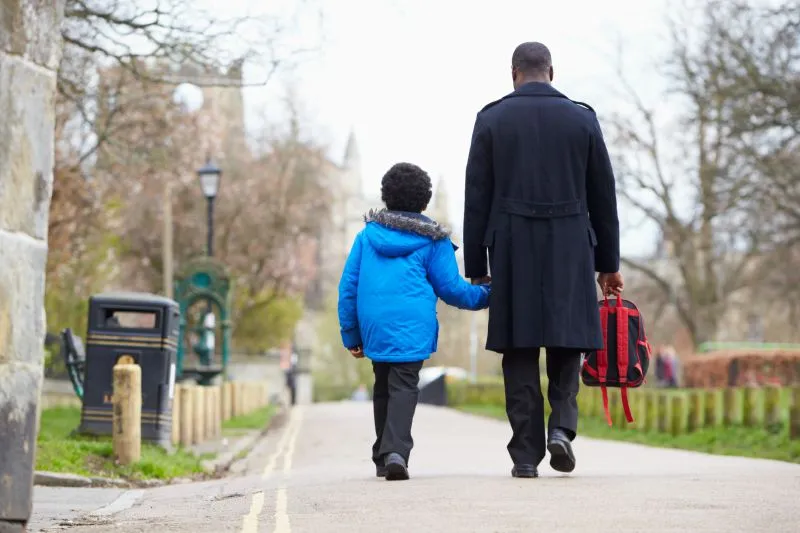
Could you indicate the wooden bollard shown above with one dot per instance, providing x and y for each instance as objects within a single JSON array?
[
  {"x": 729, "y": 407},
  {"x": 711, "y": 416},
  {"x": 176, "y": 416},
  {"x": 238, "y": 399},
  {"x": 794, "y": 414},
  {"x": 678, "y": 415},
  {"x": 198, "y": 424},
  {"x": 127, "y": 414},
  {"x": 663, "y": 413},
  {"x": 750, "y": 407},
  {"x": 209, "y": 414},
  {"x": 773, "y": 416},
  {"x": 696, "y": 413},
  {"x": 218, "y": 410},
  {"x": 225, "y": 401},
  {"x": 186, "y": 401},
  {"x": 651, "y": 408}
]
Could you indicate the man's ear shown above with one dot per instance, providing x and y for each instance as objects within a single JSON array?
[
  {"x": 551, "y": 72},
  {"x": 514, "y": 74}
]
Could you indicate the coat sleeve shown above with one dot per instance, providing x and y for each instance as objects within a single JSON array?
[
  {"x": 447, "y": 282},
  {"x": 601, "y": 198},
  {"x": 348, "y": 295},
  {"x": 479, "y": 189}
]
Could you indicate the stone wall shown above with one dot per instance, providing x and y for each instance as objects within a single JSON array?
[{"x": 30, "y": 49}]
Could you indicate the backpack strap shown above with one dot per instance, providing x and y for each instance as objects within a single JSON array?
[
  {"x": 602, "y": 359},
  {"x": 622, "y": 355}
]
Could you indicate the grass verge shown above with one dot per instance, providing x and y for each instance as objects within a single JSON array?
[
  {"x": 59, "y": 451},
  {"x": 258, "y": 419},
  {"x": 738, "y": 441}
]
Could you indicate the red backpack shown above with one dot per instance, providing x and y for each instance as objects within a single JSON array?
[{"x": 625, "y": 358}]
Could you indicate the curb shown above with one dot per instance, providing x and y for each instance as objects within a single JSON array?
[
  {"x": 242, "y": 448},
  {"x": 54, "y": 479},
  {"x": 214, "y": 467}
]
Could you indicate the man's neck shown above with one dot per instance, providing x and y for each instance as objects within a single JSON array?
[{"x": 533, "y": 79}]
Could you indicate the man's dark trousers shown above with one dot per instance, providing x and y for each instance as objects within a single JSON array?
[
  {"x": 394, "y": 400},
  {"x": 525, "y": 404}
]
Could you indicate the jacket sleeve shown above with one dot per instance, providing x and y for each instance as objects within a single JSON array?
[
  {"x": 601, "y": 198},
  {"x": 447, "y": 282},
  {"x": 348, "y": 295},
  {"x": 479, "y": 189}
]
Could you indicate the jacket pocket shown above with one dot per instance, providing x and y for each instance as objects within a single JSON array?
[{"x": 592, "y": 237}]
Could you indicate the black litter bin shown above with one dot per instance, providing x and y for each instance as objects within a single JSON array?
[{"x": 134, "y": 328}]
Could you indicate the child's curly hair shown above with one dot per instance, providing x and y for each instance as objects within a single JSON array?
[{"x": 406, "y": 187}]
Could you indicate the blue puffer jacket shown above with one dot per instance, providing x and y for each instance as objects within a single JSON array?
[{"x": 400, "y": 264}]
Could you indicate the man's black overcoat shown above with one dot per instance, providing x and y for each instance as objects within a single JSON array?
[{"x": 540, "y": 196}]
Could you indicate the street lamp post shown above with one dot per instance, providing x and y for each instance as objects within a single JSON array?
[{"x": 210, "y": 175}]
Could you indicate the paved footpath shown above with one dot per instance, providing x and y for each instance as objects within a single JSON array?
[{"x": 313, "y": 475}]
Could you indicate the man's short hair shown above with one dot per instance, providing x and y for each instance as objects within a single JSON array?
[
  {"x": 406, "y": 187},
  {"x": 532, "y": 58}
]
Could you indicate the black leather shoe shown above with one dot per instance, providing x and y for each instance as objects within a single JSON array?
[
  {"x": 380, "y": 471},
  {"x": 524, "y": 471},
  {"x": 561, "y": 457},
  {"x": 396, "y": 468}
]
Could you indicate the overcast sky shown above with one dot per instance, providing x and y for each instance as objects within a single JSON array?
[{"x": 408, "y": 76}]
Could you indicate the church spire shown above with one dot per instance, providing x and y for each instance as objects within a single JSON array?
[{"x": 352, "y": 159}]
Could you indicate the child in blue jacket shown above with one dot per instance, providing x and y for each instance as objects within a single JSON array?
[{"x": 400, "y": 264}]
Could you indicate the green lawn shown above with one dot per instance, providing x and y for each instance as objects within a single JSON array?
[
  {"x": 59, "y": 451},
  {"x": 258, "y": 419},
  {"x": 740, "y": 441}
]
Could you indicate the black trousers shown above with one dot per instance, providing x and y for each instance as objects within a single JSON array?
[
  {"x": 525, "y": 403},
  {"x": 394, "y": 400}
]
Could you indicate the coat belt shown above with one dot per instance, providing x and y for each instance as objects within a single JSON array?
[{"x": 541, "y": 210}]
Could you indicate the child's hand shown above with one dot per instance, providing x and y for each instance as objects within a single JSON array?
[{"x": 357, "y": 352}]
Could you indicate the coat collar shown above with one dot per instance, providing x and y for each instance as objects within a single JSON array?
[{"x": 536, "y": 88}]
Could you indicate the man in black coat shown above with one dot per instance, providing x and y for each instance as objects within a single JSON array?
[{"x": 540, "y": 197}]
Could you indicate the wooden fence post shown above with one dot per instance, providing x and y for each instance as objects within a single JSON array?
[
  {"x": 794, "y": 414},
  {"x": 696, "y": 413},
  {"x": 187, "y": 415},
  {"x": 711, "y": 417},
  {"x": 127, "y": 414},
  {"x": 678, "y": 414},
  {"x": 663, "y": 412},
  {"x": 772, "y": 407},
  {"x": 729, "y": 405},
  {"x": 198, "y": 424},
  {"x": 176, "y": 415},
  {"x": 750, "y": 406},
  {"x": 651, "y": 407}
]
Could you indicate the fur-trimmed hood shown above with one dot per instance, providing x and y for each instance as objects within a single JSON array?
[
  {"x": 396, "y": 233},
  {"x": 410, "y": 222}
]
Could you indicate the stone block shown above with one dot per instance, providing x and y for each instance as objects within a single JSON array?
[
  {"x": 26, "y": 146},
  {"x": 20, "y": 385},
  {"x": 31, "y": 29},
  {"x": 22, "y": 322}
]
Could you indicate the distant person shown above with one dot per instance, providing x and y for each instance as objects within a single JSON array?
[
  {"x": 540, "y": 197},
  {"x": 360, "y": 394},
  {"x": 398, "y": 267}
]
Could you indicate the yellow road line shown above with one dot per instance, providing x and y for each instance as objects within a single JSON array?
[
  {"x": 284, "y": 448},
  {"x": 282, "y": 524},
  {"x": 250, "y": 521}
]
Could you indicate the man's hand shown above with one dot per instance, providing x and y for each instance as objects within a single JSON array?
[
  {"x": 357, "y": 352},
  {"x": 485, "y": 280},
  {"x": 610, "y": 284}
]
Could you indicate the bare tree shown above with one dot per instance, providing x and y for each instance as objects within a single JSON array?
[{"x": 720, "y": 240}]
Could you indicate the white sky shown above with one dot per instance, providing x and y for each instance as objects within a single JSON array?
[{"x": 409, "y": 75}]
